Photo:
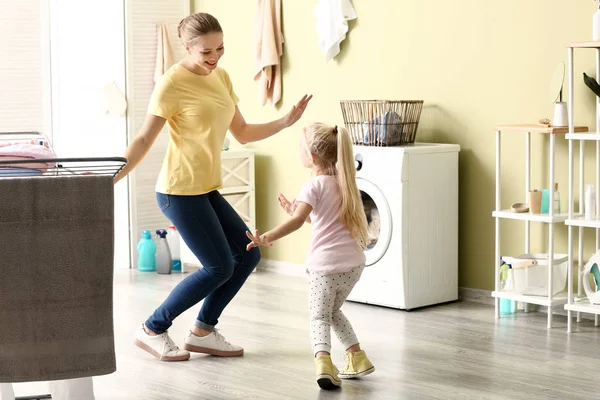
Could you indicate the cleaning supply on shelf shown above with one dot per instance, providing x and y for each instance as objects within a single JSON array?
[
  {"x": 595, "y": 271},
  {"x": 146, "y": 253},
  {"x": 590, "y": 202},
  {"x": 174, "y": 245},
  {"x": 591, "y": 268},
  {"x": 163, "y": 253},
  {"x": 507, "y": 284},
  {"x": 545, "y": 209}
]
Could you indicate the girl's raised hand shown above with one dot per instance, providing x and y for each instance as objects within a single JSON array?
[
  {"x": 256, "y": 240},
  {"x": 288, "y": 206}
]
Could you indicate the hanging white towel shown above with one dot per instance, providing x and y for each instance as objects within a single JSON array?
[
  {"x": 164, "y": 52},
  {"x": 268, "y": 49},
  {"x": 332, "y": 24}
]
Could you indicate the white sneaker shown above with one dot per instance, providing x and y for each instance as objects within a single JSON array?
[
  {"x": 213, "y": 344},
  {"x": 161, "y": 346}
]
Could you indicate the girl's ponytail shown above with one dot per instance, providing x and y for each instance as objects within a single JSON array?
[{"x": 352, "y": 211}]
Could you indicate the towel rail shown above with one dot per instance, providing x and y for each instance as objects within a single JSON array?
[
  {"x": 13, "y": 166},
  {"x": 21, "y": 167}
]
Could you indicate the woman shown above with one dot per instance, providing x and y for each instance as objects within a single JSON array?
[{"x": 197, "y": 100}]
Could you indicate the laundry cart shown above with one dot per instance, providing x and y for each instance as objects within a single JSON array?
[{"x": 56, "y": 267}]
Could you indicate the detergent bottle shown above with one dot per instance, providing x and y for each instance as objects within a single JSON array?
[
  {"x": 146, "y": 253},
  {"x": 163, "y": 253},
  {"x": 507, "y": 306},
  {"x": 591, "y": 268},
  {"x": 173, "y": 240}
]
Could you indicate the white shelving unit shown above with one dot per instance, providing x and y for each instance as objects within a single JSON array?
[
  {"x": 573, "y": 221},
  {"x": 550, "y": 218},
  {"x": 237, "y": 167}
]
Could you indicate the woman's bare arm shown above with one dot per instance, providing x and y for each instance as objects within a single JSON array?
[{"x": 141, "y": 144}]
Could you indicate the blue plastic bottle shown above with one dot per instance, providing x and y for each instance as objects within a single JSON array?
[{"x": 146, "y": 253}]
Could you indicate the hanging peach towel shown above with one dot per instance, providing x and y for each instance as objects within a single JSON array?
[
  {"x": 268, "y": 49},
  {"x": 164, "y": 52}
]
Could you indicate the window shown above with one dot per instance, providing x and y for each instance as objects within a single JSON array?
[{"x": 24, "y": 67}]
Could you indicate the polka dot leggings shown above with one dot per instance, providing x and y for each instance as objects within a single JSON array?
[{"x": 327, "y": 294}]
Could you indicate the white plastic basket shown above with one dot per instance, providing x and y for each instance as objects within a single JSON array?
[{"x": 530, "y": 273}]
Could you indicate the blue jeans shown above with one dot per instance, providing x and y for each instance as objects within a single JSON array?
[{"x": 216, "y": 234}]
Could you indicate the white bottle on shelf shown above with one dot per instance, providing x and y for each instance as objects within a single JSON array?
[{"x": 590, "y": 202}]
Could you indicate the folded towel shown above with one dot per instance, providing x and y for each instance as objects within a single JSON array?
[
  {"x": 14, "y": 171},
  {"x": 164, "y": 52},
  {"x": 27, "y": 150},
  {"x": 42, "y": 167},
  {"x": 56, "y": 275}
]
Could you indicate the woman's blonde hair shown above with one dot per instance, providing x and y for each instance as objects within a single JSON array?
[
  {"x": 332, "y": 148},
  {"x": 193, "y": 26}
]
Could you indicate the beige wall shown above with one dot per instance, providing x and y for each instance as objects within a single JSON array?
[{"x": 474, "y": 63}]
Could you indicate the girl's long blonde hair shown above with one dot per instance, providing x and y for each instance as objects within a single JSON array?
[{"x": 332, "y": 148}]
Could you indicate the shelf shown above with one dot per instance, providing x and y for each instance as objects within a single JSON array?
[
  {"x": 580, "y": 220},
  {"x": 584, "y": 45},
  {"x": 584, "y": 307},
  {"x": 508, "y": 214},
  {"x": 583, "y": 136},
  {"x": 557, "y": 300},
  {"x": 535, "y": 128},
  {"x": 236, "y": 189},
  {"x": 236, "y": 153}
]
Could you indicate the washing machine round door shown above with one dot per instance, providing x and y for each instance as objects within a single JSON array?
[{"x": 379, "y": 219}]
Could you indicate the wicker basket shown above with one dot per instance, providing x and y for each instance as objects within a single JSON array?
[{"x": 382, "y": 122}]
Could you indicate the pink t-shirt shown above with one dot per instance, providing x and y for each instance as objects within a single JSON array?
[{"x": 332, "y": 248}]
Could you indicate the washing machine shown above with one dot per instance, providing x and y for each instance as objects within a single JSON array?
[{"x": 410, "y": 198}]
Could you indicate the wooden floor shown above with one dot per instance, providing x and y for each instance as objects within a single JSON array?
[{"x": 454, "y": 351}]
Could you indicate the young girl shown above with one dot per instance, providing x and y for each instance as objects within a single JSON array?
[{"x": 331, "y": 202}]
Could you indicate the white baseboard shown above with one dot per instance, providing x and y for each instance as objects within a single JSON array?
[
  {"x": 293, "y": 269},
  {"x": 476, "y": 296},
  {"x": 282, "y": 267}
]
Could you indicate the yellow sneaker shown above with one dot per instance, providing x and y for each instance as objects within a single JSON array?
[
  {"x": 357, "y": 365},
  {"x": 327, "y": 373}
]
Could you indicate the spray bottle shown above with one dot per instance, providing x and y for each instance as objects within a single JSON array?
[{"x": 163, "y": 253}]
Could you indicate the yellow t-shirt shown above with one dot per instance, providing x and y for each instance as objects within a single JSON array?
[{"x": 198, "y": 110}]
